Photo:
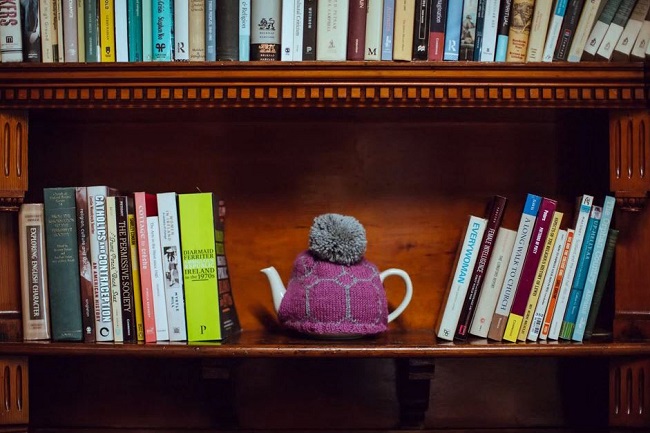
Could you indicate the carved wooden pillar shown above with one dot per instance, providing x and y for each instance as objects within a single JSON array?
[{"x": 13, "y": 184}]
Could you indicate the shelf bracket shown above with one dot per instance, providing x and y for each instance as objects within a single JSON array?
[
  {"x": 629, "y": 384},
  {"x": 414, "y": 377}
]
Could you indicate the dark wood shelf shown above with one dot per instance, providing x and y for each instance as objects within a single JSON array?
[
  {"x": 323, "y": 84},
  {"x": 394, "y": 344}
]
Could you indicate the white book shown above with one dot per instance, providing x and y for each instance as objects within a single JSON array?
[
  {"x": 615, "y": 30},
  {"x": 490, "y": 29},
  {"x": 287, "y": 29},
  {"x": 459, "y": 283},
  {"x": 547, "y": 286},
  {"x": 588, "y": 17},
  {"x": 494, "y": 276},
  {"x": 157, "y": 279},
  {"x": 387, "y": 26},
  {"x": 298, "y": 29},
  {"x": 11, "y": 45},
  {"x": 600, "y": 28},
  {"x": 538, "y": 29},
  {"x": 374, "y": 22},
  {"x": 99, "y": 262},
  {"x": 554, "y": 27},
  {"x": 641, "y": 44},
  {"x": 121, "y": 32},
  {"x": 586, "y": 203},
  {"x": 181, "y": 30},
  {"x": 147, "y": 30},
  {"x": 70, "y": 36},
  {"x": 632, "y": 28},
  {"x": 114, "y": 269},
  {"x": 332, "y": 30},
  {"x": 170, "y": 245},
  {"x": 244, "y": 30}
]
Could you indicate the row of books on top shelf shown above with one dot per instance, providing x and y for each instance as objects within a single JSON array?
[
  {"x": 331, "y": 30},
  {"x": 541, "y": 282},
  {"x": 100, "y": 266}
]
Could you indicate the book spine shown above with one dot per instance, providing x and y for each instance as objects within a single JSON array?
[
  {"x": 309, "y": 31},
  {"x": 332, "y": 30},
  {"x": 286, "y": 29},
  {"x": 387, "y": 29},
  {"x": 494, "y": 276},
  {"x": 540, "y": 275},
  {"x": 600, "y": 29},
  {"x": 244, "y": 30},
  {"x": 594, "y": 268},
  {"x": 547, "y": 286},
  {"x": 70, "y": 30},
  {"x": 227, "y": 311},
  {"x": 11, "y": 41},
  {"x": 125, "y": 271},
  {"x": 81, "y": 37},
  {"x": 47, "y": 43},
  {"x": 121, "y": 31},
  {"x": 490, "y": 29},
  {"x": 569, "y": 24},
  {"x": 356, "y": 43},
  {"x": 642, "y": 40},
  {"x": 99, "y": 261},
  {"x": 373, "y": 30},
  {"x": 557, "y": 284},
  {"x": 114, "y": 269},
  {"x": 298, "y": 28},
  {"x": 33, "y": 272},
  {"x": 157, "y": 279},
  {"x": 57, "y": 42},
  {"x": 480, "y": 24},
  {"x": 615, "y": 30},
  {"x": 134, "y": 24},
  {"x": 144, "y": 203},
  {"x": 494, "y": 219},
  {"x": 265, "y": 29},
  {"x": 107, "y": 30},
  {"x": 63, "y": 263},
  {"x": 437, "y": 30},
  {"x": 531, "y": 262},
  {"x": 210, "y": 30},
  {"x": 31, "y": 30},
  {"x": 227, "y": 30},
  {"x": 466, "y": 257},
  {"x": 147, "y": 30},
  {"x": 513, "y": 270},
  {"x": 468, "y": 30},
  {"x": 554, "y": 30},
  {"x": 586, "y": 202},
  {"x": 452, "y": 32},
  {"x": 539, "y": 27},
  {"x": 585, "y": 24},
  {"x": 182, "y": 30},
  {"x": 163, "y": 31},
  {"x": 421, "y": 30},
  {"x": 197, "y": 30},
  {"x": 85, "y": 265},
  {"x": 601, "y": 282},
  {"x": 135, "y": 272},
  {"x": 503, "y": 31},
  {"x": 172, "y": 267},
  {"x": 403, "y": 30},
  {"x": 519, "y": 32},
  {"x": 631, "y": 31}
]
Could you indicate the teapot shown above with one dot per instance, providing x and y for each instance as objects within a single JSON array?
[{"x": 334, "y": 292}]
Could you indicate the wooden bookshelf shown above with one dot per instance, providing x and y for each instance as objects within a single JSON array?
[{"x": 410, "y": 149}]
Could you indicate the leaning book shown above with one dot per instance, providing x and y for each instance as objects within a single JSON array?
[{"x": 33, "y": 272}]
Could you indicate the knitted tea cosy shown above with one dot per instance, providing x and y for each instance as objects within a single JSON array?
[{"x": 333, "y": 289}]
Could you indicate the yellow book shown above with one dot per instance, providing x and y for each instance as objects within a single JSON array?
[
  {"x": 135, "y": 270},
  {"x": 539, "y": 275},
  {"x": 107, "y": 30}
]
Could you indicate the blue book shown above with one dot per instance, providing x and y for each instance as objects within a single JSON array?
[
  {"x": 503, "y": 31},
  {"x": 163, "y": 31},
  {"x": 210, "y": 30},
  {"x": 388, "y": 25},
  {"x": 452, "y": 32},
  {"x": 594, "y": 268},
  {"x": 134, "y": 26},
  {"x": 244, "y": 30},
  {"x": 580, "y": 277}
]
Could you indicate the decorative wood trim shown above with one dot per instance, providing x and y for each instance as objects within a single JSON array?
[
  {"x": 323, "y": 84},
  {"x": 13, "y": 159},
  {"x": 14, "y": 391},
  {"x": 629, "y": 396}
]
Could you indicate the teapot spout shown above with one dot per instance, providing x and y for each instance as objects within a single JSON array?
[{"x": 277, "y": 286}]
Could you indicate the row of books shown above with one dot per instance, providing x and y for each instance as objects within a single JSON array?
[
  {"x": 332, "y": 30},
  {"x": 540, "y": 282},
  {"x": 100, "y": 266}
]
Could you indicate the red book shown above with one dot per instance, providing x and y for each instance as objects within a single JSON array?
[
  {"x": 357, "y": 30},
  {"x": 145, "y": 205}
]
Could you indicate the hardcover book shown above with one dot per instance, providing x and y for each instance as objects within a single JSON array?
[
  {"x": 466, "y": 256},
  {"x": 210, "y": 30},
  {"x": 63, "y": 263},
  {"x": 357, "y": 30},
  {"x": 87, "y": 293},
  {"x": 265, "y": 29},
  {"x": 33, "y": 272},
  {"x": 227, "y": 30},
  {"x": 210, "y": 310}
]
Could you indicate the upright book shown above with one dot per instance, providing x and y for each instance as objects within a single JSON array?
[
  {"x": 85, "y": 265},
  {"x": 114, "y": 269},
  {"x": 227, "y": 30},
  {"x": 373, "y": 30},
  {"x": 157, "y": 279},
  {"x": 244, "y": 30},
  {"x": 453, "y": 30},
  {"x": 266, "y": 17},
  {"x": 615, "y": 30},
  {"x": 388, "y": 24},
  {"x": 503, "y": 30},
  {"x": 557, "y": 284},
  {"x": 599, "y": 29},
  {"x": 125, "y": 263},
  {"x": 590, "y": 11},
  {"x": 403, "y": 30},
  {"x": 11, "y": 41},
  {"x": 554, "y": 27},
  {"x": 437, "y": 30},
  {"x": 421, "y": 30},
  {"x": 518, "y": 35},
  {"x": 357, "y": 30}
]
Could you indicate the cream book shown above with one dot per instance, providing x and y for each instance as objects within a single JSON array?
[
  {"x": 539, "y": 27},
  {"x": 519, "y": 32},
  {"x": 590, "y": 12},
  {"x": 615, "y": 30},
  {"x": 332, "y": 30},
  {"x": 632, "y": 28},
  {"x": 599, "y": 29},
  {"x": 114, "y": 269},
  {"x": 196, "y": 20},
  {"x": 638, "y": 52},
  {"x": 403, "y": 30}
]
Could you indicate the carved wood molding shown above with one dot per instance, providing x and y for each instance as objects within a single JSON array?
[
  {"x": 629, "y": 153},
  {"x": 323, "y": 84},
  {"x": 629, "y": 393},
  {"x": 13, "y": 158}
]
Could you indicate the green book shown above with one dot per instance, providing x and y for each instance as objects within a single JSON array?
[
  {"x": 209, "y": 305},
  {"x": 63, "y": 263}
]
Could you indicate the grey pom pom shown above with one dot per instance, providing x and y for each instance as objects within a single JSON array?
[{"x": 337, "y": 238}]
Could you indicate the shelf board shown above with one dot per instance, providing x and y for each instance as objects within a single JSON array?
[
  {"x": 393, "y": 344},
  {"x": 323, "y": 84}
]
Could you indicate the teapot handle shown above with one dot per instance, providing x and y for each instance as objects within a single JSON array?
[{"x": 407, "y": 296}]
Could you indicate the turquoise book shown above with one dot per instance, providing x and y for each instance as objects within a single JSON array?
[
  {"x": 452, "y": 32},
  {"x": 91, "y": 30},
  {"x": 594, "y": 268},
  {"x": 134, "y": 25},
  {"x": 580, "y": 277},
  {"x": 163, "y": 30},
  {"x": 63, "y": 263}
]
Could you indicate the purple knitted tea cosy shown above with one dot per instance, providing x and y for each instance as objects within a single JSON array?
[{"x": 333, "y": 289}]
